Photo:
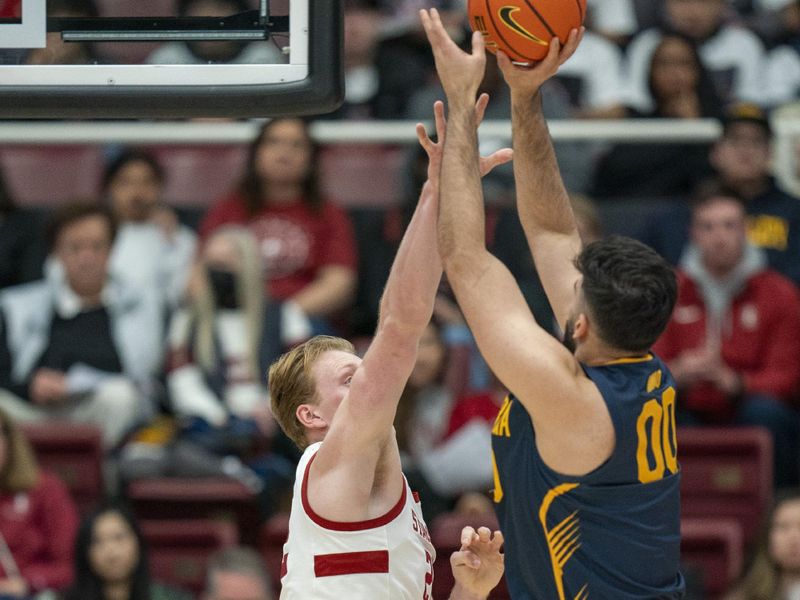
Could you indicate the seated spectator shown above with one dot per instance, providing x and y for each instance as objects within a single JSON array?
[
  {"x": 237, "y": 574},
  {"x": 742, "y": 159},
  {"x": 80, "y": 345},
  {"x": 151, "y": 248},
  {"x": 734, "y": 337},
  {"x": 591, "y": 80},
  {"x": 772, "y": 573},
  {"x": 111, "y": 561},
  {"x": 226, "y": 51},
  {"x": 38, "y": 521},
  {"x": 442, "y": 462},
  {"x": 306, "y": 243},
  {"x": 734, "y": 56},
  {"x": 59, "y": 52},
  {"x": 783, "y": 63},
  {"x": 613, "y": 19},
  {"x": 681, "y": 89},
  {"x": 362, "y": 30},
  {"x": 21, "y": 253},
  {"x": 219, "y": 347}
]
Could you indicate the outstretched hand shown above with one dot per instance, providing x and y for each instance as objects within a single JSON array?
[
  {"x": 479, "y": 564},
  {"x": 526, "y": 81},
  {"x": 435, "y": 150},
  {"x": 460, "y": 72}
]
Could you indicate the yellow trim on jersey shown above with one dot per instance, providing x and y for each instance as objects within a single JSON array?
[
  {"x": 562, "y": 540},
  {"x": 501, "y": 427},
  {"x": 629, "y": 361}
]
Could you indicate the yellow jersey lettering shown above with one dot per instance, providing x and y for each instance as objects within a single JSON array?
[
  {"x": 497, "y": 493},
  {"x": 657, "y": 435},
  {"x": 501, "y": 427},
  {"x": 768, "y": 231},
  {"x": 563, "y": 540}
]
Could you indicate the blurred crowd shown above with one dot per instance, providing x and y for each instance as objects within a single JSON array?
[{"x": 121, "y": 305}]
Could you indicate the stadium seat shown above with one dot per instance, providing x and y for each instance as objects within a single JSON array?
[
  {"x": 715, "y": 548},
  {"x": 362, "y": 175},
  {"x": 446, "y": 536},
  {"x": 273, "y": 535},
  {"x": 50, "y": 175},
  {"x": 199, "y": 175},
  {"x": 179, "y": 549},
  {"x": 202, "y": 498},
  {"x": 74, "y": 453},
  {"x": 726, "y": 473}
]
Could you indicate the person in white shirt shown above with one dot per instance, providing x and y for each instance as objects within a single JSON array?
[
  {"x": 151, "y": 248},
  {"x": 733, "y": 55},
  {"x": 356, "y": 529},
  {"x": 613, "y": 19}
]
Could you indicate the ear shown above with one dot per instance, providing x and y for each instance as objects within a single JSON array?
[
  {"x": 581, "y": 328},
  {"x": 309, "y": 417}
]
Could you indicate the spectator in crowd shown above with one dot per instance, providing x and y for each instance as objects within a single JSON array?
[
  {"x": 772, "y": 574},
  {"x": 219, "y": 347},
  {"x": 225, "y": 51},
  {"x": 59, "y": 52},
  {"x": 733, "y": 55},
  {"x": 362, "y": 29},
  {"x": 80, "y": 345},
  {"x": 111, "y": 561},
  {"x": 38, "y": 520},
  {"x": 613, "y": 19},
  {"x": 441, "y": 461},
  {"x": 237, "y": 574},
  {"x": 742, "y": 160},
  {"x": 306, "y": 242},
  {"x": 783, "y": 66},
  {"x": 681, "y": 89},
  {"x": 151, "y": 248},
  {"x": 733, "y": 340},
  {"x": 591, "y": 80},
  {"x": 21, "y": 253}
]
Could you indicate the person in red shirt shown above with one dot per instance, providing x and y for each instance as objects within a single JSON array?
[
  {"x": 38, "y": 521},
  {"x": 733, "y": 342},
  {"x": 307, "y": 243}
]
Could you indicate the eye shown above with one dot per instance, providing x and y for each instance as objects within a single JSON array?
[{"x": 348, "y": 380}]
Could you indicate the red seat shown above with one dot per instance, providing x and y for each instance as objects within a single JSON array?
[
  {"x": 203, "y": 498},
  {"x": 362, "y": 175},
  {"x": 715, "y": 547},
  {"x": 199, "y": 175},
  {"x": 74, "y": 453},
  {"x": 50, "y": 175},
  {"x": 273, "y": 535},
  {"x": 726, "y": 473},
  {"x": 179, "y": 550},
  {"x": 446, "y": 537}
]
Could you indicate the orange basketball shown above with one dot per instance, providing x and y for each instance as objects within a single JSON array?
[{"x": 523, "y": 28}]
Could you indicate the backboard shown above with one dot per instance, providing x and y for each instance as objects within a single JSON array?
[{"x": 169, "y": 58}]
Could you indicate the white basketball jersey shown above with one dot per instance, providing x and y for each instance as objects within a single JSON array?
[{"x": 387, "y": 558}]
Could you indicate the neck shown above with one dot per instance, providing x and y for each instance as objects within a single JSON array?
[
  {"x": 752, "y": 188},
  {"x": 90, "y": 299},
  {"x": 117, "y": 591},
  {"x": 595, "y": 353},
  {"x": 282, "y": 193}
]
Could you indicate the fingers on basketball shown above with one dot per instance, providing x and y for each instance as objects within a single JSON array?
[{"x": 522, "y": 29}]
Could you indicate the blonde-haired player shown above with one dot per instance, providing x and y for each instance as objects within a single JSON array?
[{"x": 356, "y": 529}]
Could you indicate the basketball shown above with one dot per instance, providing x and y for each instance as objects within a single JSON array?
[{"x": 523, "y": 28}]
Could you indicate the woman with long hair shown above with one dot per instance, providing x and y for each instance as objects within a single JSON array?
[
  {"x": 306, "y": 243},
  {"x": 681, "y": 89},
  {"x": 774, "y": 571},
  {"x": 37, "y": 520},
  {"x": 111, "y": 560}
]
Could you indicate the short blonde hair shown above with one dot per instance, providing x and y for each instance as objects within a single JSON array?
[
  {"x": 20, "y": 472},
  {"x": 291, "y": 382}
]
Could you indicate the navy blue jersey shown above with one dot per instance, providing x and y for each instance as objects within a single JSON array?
[{"x": 612, "y": 534}]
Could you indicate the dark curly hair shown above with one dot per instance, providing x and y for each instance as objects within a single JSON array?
[{"x": 630, "y": 291}]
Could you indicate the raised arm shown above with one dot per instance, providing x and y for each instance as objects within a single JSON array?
[
  {"x": 529, "y": 361},
  {"x": 542, "y": 201},
  {"x": 366, "y": 415}
]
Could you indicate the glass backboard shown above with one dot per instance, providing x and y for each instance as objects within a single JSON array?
[{"x": 169, "y": 58}]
